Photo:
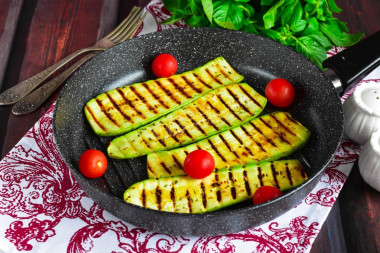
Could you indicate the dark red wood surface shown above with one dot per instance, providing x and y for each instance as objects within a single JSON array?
[{"x": 37, "y": 33}]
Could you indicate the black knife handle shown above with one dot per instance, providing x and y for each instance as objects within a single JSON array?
[{"x": 354, "y": 63}]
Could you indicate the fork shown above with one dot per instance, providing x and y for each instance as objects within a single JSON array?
[
  {"x": 119, "y": 34},
  {"x": 33, "y": 100}
]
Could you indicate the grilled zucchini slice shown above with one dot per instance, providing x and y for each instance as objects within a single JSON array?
[
  {"x": 126, "y": 108},
  {"x": 214, "y": 112},
  {"x": 266, "y": 138},
  {"x": 182, "y": 194}
]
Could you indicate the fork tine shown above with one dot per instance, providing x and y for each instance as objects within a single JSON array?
[
  {"x": 134, "y": 28},
  {"x": 126, "y": 24},
  {"x": 118, "y": 37},
  {"x": 131, "y": 14}
]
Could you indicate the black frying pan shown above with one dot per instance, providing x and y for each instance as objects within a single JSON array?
[{"x": 317, "y": 106}]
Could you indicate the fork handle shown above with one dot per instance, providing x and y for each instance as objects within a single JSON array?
[
  {"x": 33, "y": 100},
  {"x": 17, "y": 92}
]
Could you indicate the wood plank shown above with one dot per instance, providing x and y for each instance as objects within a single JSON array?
[
  {"x": 7, "y": 34},
  {"x": 57, "y": 28}
]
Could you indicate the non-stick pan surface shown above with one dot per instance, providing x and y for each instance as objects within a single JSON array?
[{"x": 259, "y": 60}]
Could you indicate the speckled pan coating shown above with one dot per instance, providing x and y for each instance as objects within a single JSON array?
[{"x": 317, "y": 106}]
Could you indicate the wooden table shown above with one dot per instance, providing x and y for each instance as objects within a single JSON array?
[{"x": 37, "y": 33}]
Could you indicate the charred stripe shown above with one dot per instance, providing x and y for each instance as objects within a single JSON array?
[
  {"x": 179, "y": 165},
  {"x": 260, "y": 175},
  {"x": 229, "y": 108},
  {"x": 143, "y": 99},
  {"x": 250, "y": 97},
  {"x": 213, "y": 77},
  {"x": 207, "y": 119},
  {"x": 228, "y": 146},
  {"x": 251, "y": 137},
  {"x": 163, "y": 165},
  {"x": 223, "y": 73},
  {"x": 258, "y": 130},
  {"x": 188, "y": 201},
  {"x": 168, "y": 93},
  {"x": 171, "y": 133},
  {"x": 292, "y": 120},
  {"x": 274, "y": 173},
  {"x": 172, "y": 196},
  {"x": 158, "y": 198},
  {"x": 126, "y": 117},
  {"x": 233, "y": 189},
  {"x": 236, "y": 137},
  {"x": 201, "y": 81},
  {"x": 236, "y": 98},
  {"x": 179, "y": 87},
  {"x": 146, "y": 143},
  {"x": 203, "y": 194},
  {"x": 159, "y": 139},
  {"x": 218, "y": 193},
  {"x": 218, "y": 113},
  {"x": 95, "y": 119},
  {"x": 129, "y": 102},
  {"x": 246, "y": 183},
  {"x": 282, "y": 125},
  {"x": 143, "y": 198},
  {"x": 195, "y": 124},
  {"x": 109, "y": 116},
  {"x": 216, "y": 150},
  {"x": 188, "y": 82},
  {"x": 152, "y": 171},
  {"x": 155, "y": 96},
  {"x": 288, "y": 173},
  {"x": 184, "y": 129}
]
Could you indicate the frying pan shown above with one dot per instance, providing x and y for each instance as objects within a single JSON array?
[{"x": 317, "y": 106}]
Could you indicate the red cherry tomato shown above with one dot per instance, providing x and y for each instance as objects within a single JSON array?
[
  {"x": 265, "y": 193},
  {"x": 164, "y": 65},
  {"x": 92, "y": 163},
  {"x": 279, "y": 92},
  {"x": 199, "y": 164}
]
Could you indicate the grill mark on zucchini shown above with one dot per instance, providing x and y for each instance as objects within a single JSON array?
[
  {"x": 143, "y": 198},
  {"x": 196, "y": 124},
  {"x": 291, "y": 119},
  {"x": 129, "y": 102},
  {"x": 184, "y": 129},
  {"x": 228, "y": 146},
  {"x": 126, "y": 117},
  {"x": 155, "y": 96},
  {"x": 191, "y": 85},
  {"x": 212, "y": 76},
  {"x": 177, "y": 162},
  {"x": 303, "y": 173},
  {"x": 158, "y": 198},
  {"x": 95, "y": 119},
  {"x": 201, "y": 81},
  {"x": 216, "y": 150},
  {"x": 151, "y": 171},
  {"x": 280, "y": 135},
  {"x": 274, "y": 173},
  {"x": 233, "y": 189},
  {"x": 223, "y": 73},
  {"x": 288, "y": 174},
  {"x": 218, "y": 193},
  {"x": 188, "y": 201},
  {"x": 283, "y": 126},
  {"x": 258, "y": 130},
  {"x": 165, "y": 168},
  {"x": 159, "y": 139},
  {"x": 246, "y": 183},
  {"x": 207, "y": 119},
  {"x": 236, "y": 137},
  {"x": 178, "y": 87},
  {"x": 172, "y": 196},
  {"x": 168, "y": 93},
  {"x": 250, "y": 97},
  {"x": 229, "y": 108},
  {"x": 143, "y": 99},
  {"x": 218, "y": 113},
  {"x": 146, "y": 143},
  {"x": 203, "y": 194},
  {"x": 260, "y": 175},
  {"x": 236, "y": 98},
  {"x": 172, "y": 135},
  {"x": 109, "y": 116},
  {"x": 251, "y": 137}
]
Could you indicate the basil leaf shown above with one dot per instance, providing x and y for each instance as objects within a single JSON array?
[
  {"x": 228, "y": 15},
  {"x": 198, "y": 21},
  {"x": 208, "y": 9},
  {"x": 333, "y": 31},
  {"x": 248, "y": 27},
  {"x": 333, "y": 6},
  {"x": 270, "y": 16},
  {"x": 171, "y": 5},
  {"x": 311, "y": 49},
  {"x": 176, "y": 16},
  {"x": 299, "y": 25}
]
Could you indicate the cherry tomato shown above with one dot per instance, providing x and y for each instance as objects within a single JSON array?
[
  {"x": 92, "y": 163},
  {"x": 265, "y": 193},
  {"x": 279, "y": 92},
  {"x": 164, "y": 65},
  {"x": 199, "y": 164}
]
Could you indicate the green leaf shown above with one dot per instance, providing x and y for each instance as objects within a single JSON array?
[
  {"x": 196, "y": 21},
  {"x": 208, "y": 9},
  {"x": 248, "y": 27},
  {"x": 248, "y": 9},
  {"x": 312, "y": 28},
  {"x": 292, "y": 13},
  {"x": 171, "y": 5},
  {"x": 311, "y": 49},
  {"x": 270, "y": 16},
  {"x": 228, "y": 15},
  {"x": 176, "y": 16},
  {"x": 267, "y": 2},
  {"x": 333, "y": 6},
  {"x": 333, "y": 31},
  {"x": 225, "y": 24},
  {"x": 299, "y": 25}
]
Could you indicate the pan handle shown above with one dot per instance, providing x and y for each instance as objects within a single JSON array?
[{"x": 354, "y": 63}]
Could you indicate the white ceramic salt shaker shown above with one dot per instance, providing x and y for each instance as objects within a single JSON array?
[
  {"x": 369, "y": 161},
  {"x": 362, "y": 112}
]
